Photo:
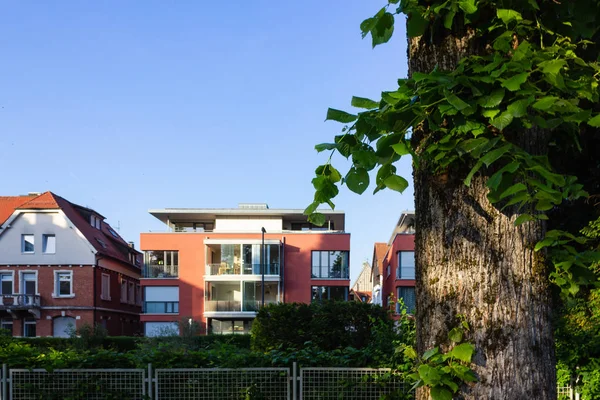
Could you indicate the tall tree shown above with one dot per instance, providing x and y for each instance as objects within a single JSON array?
[{"x": 499, "y": 99}]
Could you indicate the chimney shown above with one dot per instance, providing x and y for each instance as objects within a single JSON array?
[{"x": 131, "y": 244}]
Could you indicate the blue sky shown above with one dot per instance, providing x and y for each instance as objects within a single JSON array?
[{"x": 126, "y": 106}]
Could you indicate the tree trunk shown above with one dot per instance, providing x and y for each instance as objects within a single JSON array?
[{"x": 471, "y": 260}]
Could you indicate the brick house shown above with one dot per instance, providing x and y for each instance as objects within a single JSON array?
[
  {"x": 62, "y": 266},
  {"x": 394, "y": 266}
]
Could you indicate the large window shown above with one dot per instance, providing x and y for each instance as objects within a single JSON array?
[
  {"x": 161, "y": 300},
  {"x": 406, "y": 265},
  {"x": 161, "y": 264},
  {"x": 63, "y": 284},
  {"x": 407, "y": 294},
  {"x": 7, "y": 323},
  {"x": 105, "y": 293},
  {"x": 48, "y": 244},
  {"x": 29, "y": 327},
  {"x": 330, "y": 264},
  {"x": 320, "y": 293},
  {"x": 27, "y": 244},
  {"x": 6, "y": 283}
]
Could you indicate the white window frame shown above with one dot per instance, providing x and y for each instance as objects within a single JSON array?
[
  {"x": 56, "y": 293},
  {"x": 23, "y": 243},
  {"x": 28, "y": 321},
  {"x": 12, "y": 277},
  {"x": 388, "y": 271},
  {"x": 45, "y": 243},
  {"x": 131, "y": 292},
  {"x": 7, "y": 321},
  {"x": 22, "y": 282},
  {"x": 102, "y": 296}
]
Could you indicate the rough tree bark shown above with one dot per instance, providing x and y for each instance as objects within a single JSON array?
[{"x": 472, "y": 260}]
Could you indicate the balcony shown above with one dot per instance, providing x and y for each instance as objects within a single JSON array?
[
  {"x": 234, "y": 306},
  {"x": 225, "y": 268},
  {"x": 19, "y": 301},
  {"x": 160, "y": 271}
]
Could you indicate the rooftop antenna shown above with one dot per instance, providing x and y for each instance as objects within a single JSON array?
[{"x": 119, "y": 226}]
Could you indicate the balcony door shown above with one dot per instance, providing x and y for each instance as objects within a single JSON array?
[{"x": 29, "y": 286}]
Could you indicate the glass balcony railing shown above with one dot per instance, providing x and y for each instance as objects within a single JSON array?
[
  {"x": 224, "y": 268},
  {"x": 234, "y": 306},
  {"x": 161, "y": 271}
]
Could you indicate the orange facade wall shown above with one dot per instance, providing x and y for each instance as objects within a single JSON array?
[{"x": 192, "y": 261}]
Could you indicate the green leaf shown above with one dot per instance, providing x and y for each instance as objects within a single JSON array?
[
  {"x": 361, "y": 102},
  {"x": 455, "y": 101},
  {"x": 365, "y": 158},
  {"x": 552, "y": 67},
  {"x": 508, "y": 15},
  {"x": 431, "y": 376},
  {"x": 463, "y": 352},
  {"x": 339, "y": 116},
  {"x": 367, "y": 25},
  {"x": 396, "y": 183},
  {"x": 317, "y": 219},
  {"x": 492, "y": 100},
  {"x": 357, "y": 180},
  {"x": 502, "y": 121},
  {"x": 556, "y": 179},
  {"x": 523, "y": 218},
  {"x": 311, "y": 208},
  {"x": 518, "y": 108},
  {"x": 383, "y": 30},
  {"x": 401, "y": 148},
  {"x": 494, "y": 180},
  {"x": 493, "y": 155},
  {"x": 416, "y": 24},
  {"x": 468, "y": 6},
  {"x": 455, "y": 335},
  {"x": 595, "y": 121},
  {"x": 545, "y": 103},
  {"x": 490, "y": 113},
  {"x": 469, "y": 145},
  {"x": 473, "y": 171},
  {"x": 430, "y": 353},
  {"x": 516, "y": 188},
  {"x": 448, "y": 18},
  {"x": 514, "y": 83},
  {"x": 325, "y": 146},
  {"x": 440, "y": 393}
]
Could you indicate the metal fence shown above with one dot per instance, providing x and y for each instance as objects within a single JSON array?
[
  {"x": 74, "y": 384},
  {"x": 222, "y": 383},
  {"x": 208, "y": 383},
  {"x": 348, "y": 383}
]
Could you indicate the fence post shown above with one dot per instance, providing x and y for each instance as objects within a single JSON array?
[
  {"x": 294, "y": 381},
  {"x": 150, "y": 391},
  {"x": 3, "y": 383}
]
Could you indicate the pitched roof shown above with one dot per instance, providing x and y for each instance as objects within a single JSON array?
[
  {"x": 8, "y": 205},
  {"x": 361, "y": 294},
  {"x": 104, "y": 240},
  {"x": 379, "y": 251}
]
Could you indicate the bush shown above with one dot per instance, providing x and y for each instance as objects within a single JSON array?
[{"x": 328, "y": 325}]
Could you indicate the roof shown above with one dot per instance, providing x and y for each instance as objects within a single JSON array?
[
  {"x": 361, "y": 294},
  {"x": 379, "y": 252},
  {"x": 105, "y": 241},
  {"x": 8, "y": 205},
  {"x": 405, "y": 225}
]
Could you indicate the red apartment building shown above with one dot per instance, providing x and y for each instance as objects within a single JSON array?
[
  {"x": 394, "y": 266},
  {"x": 208, "y": 265},
  {"x": 62, "y": 266}
]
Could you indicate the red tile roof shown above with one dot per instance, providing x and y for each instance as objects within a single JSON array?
[
  {"x": 8, "y": 205},
  {"x": 359, "y": 295},
  {"x": 379, "y": 251},
  {"x": 105, "y": 240}
]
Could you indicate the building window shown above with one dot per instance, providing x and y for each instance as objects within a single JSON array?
[
  {"x": 7, "y": 282},
  {"x": 27, "y": 244},
  {"x": 123, "y": 291},
  {"x": 7, "y": 324},
  {"x": 48, "y": 244},
  {"x": 105, "y": 294},
  {"x": 406, "y": 265},
  {"x": 388, "y": 271},
  {"x": 63, "y": 284},
  {"x": 161, "y": 307},
  {"x": 138, "y": 292},
  {"x": 330, "y": 264},
  {"x": 95, "y": 221},
  {"x": 407, "y": 294},
  {"x": 29, "y": 327},
  {"x": 320, "y": 293},
  {"x": 28, "y": 283},
  {"x": 131, "y": 294},
  {"x": 161, "y": 264}
]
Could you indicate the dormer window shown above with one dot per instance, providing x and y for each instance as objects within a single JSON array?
[{"x": 95, "y": 221}]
